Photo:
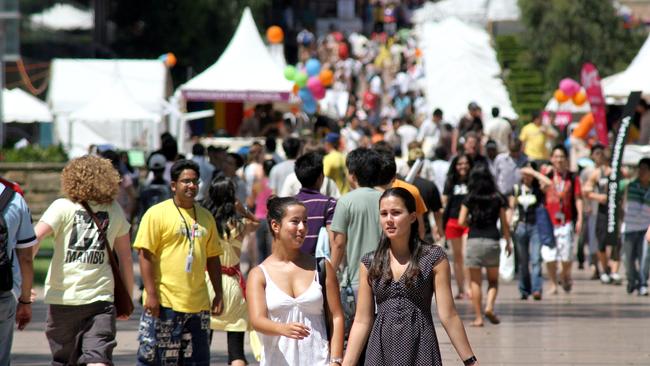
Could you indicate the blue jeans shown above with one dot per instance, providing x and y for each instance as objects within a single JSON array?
[
  {"x": 7, "y": 324},
  {"x": 633, "y": 243},
  {"x": 174, "y": 338},
  {"x": 529, "y": 253}
]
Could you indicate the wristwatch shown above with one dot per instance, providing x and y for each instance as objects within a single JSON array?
[{"x": 470, "y": 361}]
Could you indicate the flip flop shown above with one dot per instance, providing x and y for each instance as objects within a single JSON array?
[
  {"x": 492, "y": 317},
  {"x": 476, "y": 325}
]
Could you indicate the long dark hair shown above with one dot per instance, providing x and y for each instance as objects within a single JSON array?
[
  {"x": 380, "y": 266},
  {"x": 481, "y": 193},
  {"x": 220, "y": 201},
  {"x": 276, "y": 208},
  {"x": 453, "y": 177}
]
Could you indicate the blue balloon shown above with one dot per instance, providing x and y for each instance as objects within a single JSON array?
[
  {"x": 309, "y": 106},
  {"x": 313, "y": 67},
  {"x": 305, "y": 95}
]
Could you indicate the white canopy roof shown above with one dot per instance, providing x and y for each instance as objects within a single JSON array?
[
  {"x": 63, "y": 17},
  {"x": 617, "y": 87},
  {"x": 114, "y": 104},
  {"x": 470, "y": 11},
  {"x": 460, "y": 67},
  {"x": 19, "y": 106},
  {"x": 244, "y": 72}
]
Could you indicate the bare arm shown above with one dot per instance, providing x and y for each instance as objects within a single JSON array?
[
  {"x": 363, "y": 319},
  {"x": 588, "y": 189},
  {"x": 152, "y": 303},
  {"x": 505, "y": 228},
  {"x": 214, "y": 271},
  {"x": 462, "y": 216},
  {"x": 338, "y": 248},
  {"x": 335, "y": 312},
  {"x": 24, "y": 311},
  {"x": 447, "y": 310},
  {"x": 421, "y": 230},
  {"x": 437, "y": 216},
  {"x": 42, "y": 230},
  {"x": 258, "y": 311},
  {"x": 122, "y": 246}
]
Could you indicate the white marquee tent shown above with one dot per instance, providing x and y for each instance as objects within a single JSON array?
[
  {"x": 20, "y": 106},
  {"x": 617, "y": 87},
  {"x": 470, "y": 11},
  {"x": 461, "y": 66},
  {"x": 246, "y": 71},
  {"x": 118, "y": 102},
  {"x": 63, "y": 17}
]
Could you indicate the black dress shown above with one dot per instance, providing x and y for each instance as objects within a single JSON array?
[{"x": 403, "y": 331}]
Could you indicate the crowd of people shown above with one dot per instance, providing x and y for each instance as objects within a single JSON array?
[{"x": 328, "y": 251}]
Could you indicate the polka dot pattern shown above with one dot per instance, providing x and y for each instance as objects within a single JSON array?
[{"x": 403, "y": 332}]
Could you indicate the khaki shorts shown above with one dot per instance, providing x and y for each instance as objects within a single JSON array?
[{"x": 482, "y": 252}]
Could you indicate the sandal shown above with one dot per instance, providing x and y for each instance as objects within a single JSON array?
[
  {"x": 492, "y": 317},
  {"x": 476, "y": 325}
]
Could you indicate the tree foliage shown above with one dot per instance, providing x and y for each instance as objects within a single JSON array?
[
  {"x": 196, "y": 31},
  {"x": 562, "y": 35}
]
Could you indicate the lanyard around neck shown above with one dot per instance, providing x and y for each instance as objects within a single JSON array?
[{"x": 190, "y": 235}]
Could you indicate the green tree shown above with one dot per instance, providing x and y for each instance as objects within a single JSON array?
[
  {"x": 562, "y": 35},
  {"x": 196, "y": 31}
]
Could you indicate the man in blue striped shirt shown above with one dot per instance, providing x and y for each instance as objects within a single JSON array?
[
  {"x": 636, "y": 222},
  {"x": 320, "y": 208}
]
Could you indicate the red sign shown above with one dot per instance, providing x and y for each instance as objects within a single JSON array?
[
  {"x": 562, "y": 119},
  {"x": 591, "y": 83}
]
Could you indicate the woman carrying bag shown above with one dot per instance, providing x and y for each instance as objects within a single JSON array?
[{"x": 81, "y": 287}]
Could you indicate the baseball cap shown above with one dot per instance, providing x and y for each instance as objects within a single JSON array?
[
  {"x": 332, "y": 137},
  {"x": 157, "y": 162}
]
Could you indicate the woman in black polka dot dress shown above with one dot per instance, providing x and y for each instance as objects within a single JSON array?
[{"x": 401, "y": 277}]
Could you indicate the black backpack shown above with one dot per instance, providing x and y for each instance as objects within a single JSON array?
[{"x": 6, "y": 257}]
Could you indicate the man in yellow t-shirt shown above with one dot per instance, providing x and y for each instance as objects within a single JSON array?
[
  {"x": 334, "y": 163},
  {"x": 534, "y": 136},
  {"x": 177, "y": 240}
]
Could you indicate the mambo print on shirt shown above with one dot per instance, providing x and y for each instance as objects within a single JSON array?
[{"x": 84, "y": 246}]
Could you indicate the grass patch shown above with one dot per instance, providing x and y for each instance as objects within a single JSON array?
[{"x": 41, "y": 266}]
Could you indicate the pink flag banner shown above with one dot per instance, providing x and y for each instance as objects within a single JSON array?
[{"x": 591, "y": 82}]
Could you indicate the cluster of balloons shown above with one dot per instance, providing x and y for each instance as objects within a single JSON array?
[
  {"x": 274, "y": 34},
  {"x": 169, "y": 59},
  {"x": 310, "y": 83},
  {"x": 570, "y": 89}
]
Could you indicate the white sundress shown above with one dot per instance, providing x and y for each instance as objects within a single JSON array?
[{"x": 307, "y": 308}]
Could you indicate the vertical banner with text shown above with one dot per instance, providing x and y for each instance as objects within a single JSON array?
[
  {"x": 591, "y": 82},
  {"x": 613, "y": 194}
]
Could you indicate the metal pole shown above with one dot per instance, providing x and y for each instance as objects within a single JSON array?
[{"x": 2, "y": 82}]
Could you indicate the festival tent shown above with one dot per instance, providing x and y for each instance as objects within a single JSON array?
[
  {"x": 119, "y": 102},
  {"x": 63, "y": 17},
  {"x": 245, "y": 72},
  {"x": 460, "y": 67},
  {"x": 19, "y": 106},
  {"x": 478, "y": 12},
  {"x": 617, "y": 87}
]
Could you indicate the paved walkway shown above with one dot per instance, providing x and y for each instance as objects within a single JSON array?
[{"x": 593, "y": 325}]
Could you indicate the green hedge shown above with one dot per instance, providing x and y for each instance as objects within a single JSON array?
[{"x": 35, "y": 153}]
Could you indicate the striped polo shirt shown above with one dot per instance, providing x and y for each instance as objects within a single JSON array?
[
  {"x": 637, "y": 208},
  {"x": 320, "y": 210}
]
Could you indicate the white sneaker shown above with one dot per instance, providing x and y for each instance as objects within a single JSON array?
[
  {"x": 605, "y": 279},
  {"x": 616, "y": 278},
  {"x": 643, "y": 291}
]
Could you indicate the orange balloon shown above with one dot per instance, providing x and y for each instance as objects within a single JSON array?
[
  {"x": 584, "y": 126},
  {"x": 170, "y": 61},
  {"x": 326, "y": 77},
  {"x": 560, "y": 96},
  {"x": 418, "y": 53},
  {"x": 580, "y": 98},
  {"x": 296, "y": 88},
  {"x": 275, "y": 34}
]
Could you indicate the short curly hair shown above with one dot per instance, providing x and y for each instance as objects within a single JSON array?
[{"x": 90, "y": 179}]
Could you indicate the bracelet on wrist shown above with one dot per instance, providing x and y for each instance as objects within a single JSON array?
[
  {"x": 24, "y": 302},
  {"x": 470, "y": 361},
  {"x": 338, "y": 360}
]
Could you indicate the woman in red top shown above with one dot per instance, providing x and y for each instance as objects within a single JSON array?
[{"x": 564, "y": 205}]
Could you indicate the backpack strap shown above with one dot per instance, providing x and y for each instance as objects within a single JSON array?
[
  {"x": 6, "y": 197},
  {"x": 321, "y": 267}
]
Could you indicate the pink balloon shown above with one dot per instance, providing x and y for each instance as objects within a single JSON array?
[
  {"x": 569, "y": 86},
  {"x": 319, "y": 93},
  {"x": 314, "y": 84}
]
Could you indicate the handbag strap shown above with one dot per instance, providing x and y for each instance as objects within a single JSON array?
[{"x": 102, "y": 234}]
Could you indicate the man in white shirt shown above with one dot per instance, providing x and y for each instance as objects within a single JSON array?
[
  {"x": 407, "y": 133},
  {"x": 280, "y": 171},
  {"x": 499, "y": 130},
  {"x": 429, "y": 132},
  {"x": 352, "y": 134}
]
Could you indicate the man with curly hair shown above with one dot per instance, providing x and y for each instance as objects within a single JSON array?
[
  {"x": 80, "y": 286},
  {"x": 177, "y": 240}
]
